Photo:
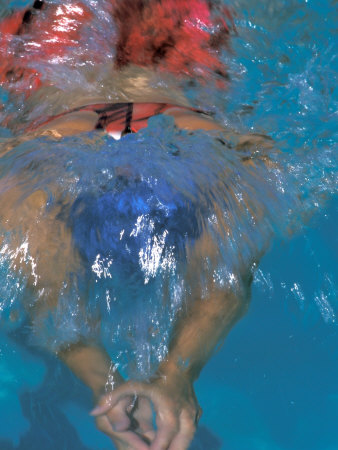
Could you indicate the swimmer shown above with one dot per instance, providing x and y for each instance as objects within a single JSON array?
[{"x": 124, "y": 411}]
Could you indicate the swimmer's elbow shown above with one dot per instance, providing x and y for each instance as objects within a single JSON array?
[{"x": 240, "y": 305}]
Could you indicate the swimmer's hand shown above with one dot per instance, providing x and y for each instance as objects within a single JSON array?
[
  {"x": 128, "y": 421},
  {"x": 175, "y": 405}
]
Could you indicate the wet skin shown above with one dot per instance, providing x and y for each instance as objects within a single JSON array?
[{"x": 124, "y": 412}]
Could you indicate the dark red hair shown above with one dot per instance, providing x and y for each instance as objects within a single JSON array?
[
  {"x": 183, "y": 37},
  {"x": 180, "y": 36}
]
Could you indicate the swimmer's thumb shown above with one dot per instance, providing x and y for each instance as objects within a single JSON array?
[
  {"x": 105, "y": 404},
  {"x": 116, "y": 414},
  {"x": 99, "y": 410}
]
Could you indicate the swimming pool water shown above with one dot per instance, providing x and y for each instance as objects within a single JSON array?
[{"x": 273, "y": 385}]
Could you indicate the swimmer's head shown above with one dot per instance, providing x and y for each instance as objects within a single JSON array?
[{"x": 179, "y": 36}]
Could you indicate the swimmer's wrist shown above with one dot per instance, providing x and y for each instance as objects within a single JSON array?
[
  {"x": 175, "y": 368},
  {"x": 105, "y": 383},
  {"x": 93, "y": 366}
]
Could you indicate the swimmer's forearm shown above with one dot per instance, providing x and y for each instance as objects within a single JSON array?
[
  {"x": 198, "y": 331},
  {"x": 92, "y": 365}
]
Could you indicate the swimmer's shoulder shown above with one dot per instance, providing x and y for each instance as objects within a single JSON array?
[
  {"x": 118, "y": 119},
  {"x": 191, "y": 119}
]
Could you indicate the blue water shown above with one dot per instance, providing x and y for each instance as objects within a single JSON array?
[
  {"x": 276, "y": 377},
  {"x": 273, "y": 385}
]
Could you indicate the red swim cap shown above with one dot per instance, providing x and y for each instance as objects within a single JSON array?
[
  {"x": 183, "y": 37},
  {"x": 179, "y": 36},
  {"x": 31, "y": 37}
]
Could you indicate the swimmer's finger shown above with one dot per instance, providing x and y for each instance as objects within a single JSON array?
[
  {"x": 167, "y": 427},
  {"x": 131, "y": 440},
  {"x": 187, "y": 430},
  {"x": 130, "y": 389},
  {"x": 149, "y": 436},
  {"x": 101, "y": 409},
  {"x": 143, "y": 417},
  {"x": 126, "y": 439},
  {"x": 118, "y": 416},
  {"x": 143, "y": 409}
]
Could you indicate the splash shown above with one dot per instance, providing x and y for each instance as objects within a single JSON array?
[
  {"x": 149, "y": 221},
  {"x": 179, "y": 37}
]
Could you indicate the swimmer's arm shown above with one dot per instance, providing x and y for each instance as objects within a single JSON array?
[
  {"x": 197, "y": 332},
  {"x": 93, "y": 366},
  {"x": 189, "y": 120},
  {"x": 52, "y": 252}
]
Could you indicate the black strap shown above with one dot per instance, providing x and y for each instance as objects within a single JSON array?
[
  {"x": 38, "y": 4},
  {"x": 129, "y": 117},
  {"x": 110, "y": 113}
]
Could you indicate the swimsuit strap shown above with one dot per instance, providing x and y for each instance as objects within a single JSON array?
[
  {"x": 119, "y": 119},
  {"x": 129, "y": 117}
]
